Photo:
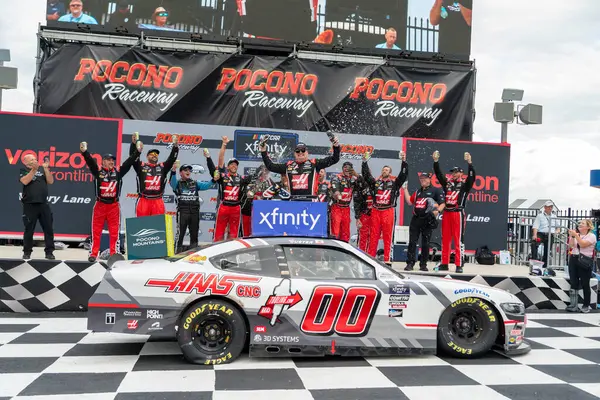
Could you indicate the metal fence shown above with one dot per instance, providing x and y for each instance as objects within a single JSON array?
[
  {"x": 219, "y": 18},
  {"x": 519, "y": 235}
]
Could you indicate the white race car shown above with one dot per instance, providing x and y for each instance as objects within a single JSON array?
[{"x": 292, "y": 296}]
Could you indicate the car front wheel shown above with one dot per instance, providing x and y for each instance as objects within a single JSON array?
[
  {"x": 468, "y": 328},
  {"x": 211, "y": 332}
]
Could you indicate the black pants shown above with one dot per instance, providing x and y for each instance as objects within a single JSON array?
[
  {"x": 580, "y": 276},
  {"x": 419, "y": 226},
  {"x": 534, "y": 249},
  {"x": 32, "y": 213},
  {"x": 187, "y": 219}
]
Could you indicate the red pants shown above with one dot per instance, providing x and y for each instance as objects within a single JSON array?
[
  {"x": 340, "y": 222},
  {"x": 453, "y": 228},
  {"x": 111, "y": 214},
  {"x": 227, "y": 216},
  {"x": 382, "y": 223},
  {"x": 246, "y": 225},
  {"x": 364, "y": 233},
  {"x": 149, "y": 207}
]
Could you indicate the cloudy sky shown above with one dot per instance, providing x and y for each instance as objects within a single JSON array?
[{"x": 549, "y": 48}]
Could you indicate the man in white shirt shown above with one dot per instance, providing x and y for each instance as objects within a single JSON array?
[
  {"x": 541, "y": 231},
  {"x": 390, "y": 40}
]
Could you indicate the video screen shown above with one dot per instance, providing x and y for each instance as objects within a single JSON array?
[{"x": 415, "y": 25}]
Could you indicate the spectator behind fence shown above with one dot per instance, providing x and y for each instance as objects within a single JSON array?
[
  {"x": 77, "y": 15},
  {"x": 159, "y": 21},
  {"x": 541, "y": 230},
  {"x": 581, "y": 243},
  {"x": 390, "y": 40}
]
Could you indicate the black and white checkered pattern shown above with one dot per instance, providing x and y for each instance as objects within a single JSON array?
[
  {"x": 49, "y": 356},
  {"x": 41, "y": 285},
  {"x": 536, "y": 292}
]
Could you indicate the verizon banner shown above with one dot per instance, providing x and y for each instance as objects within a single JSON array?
[
  {"x": 71, "y": 197},
  {"x": 487, "y": 204},
  {"x": 258, "y": 92}
]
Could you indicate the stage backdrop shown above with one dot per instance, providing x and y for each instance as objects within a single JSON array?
[
  {"x": 487, "y": 205},
  {"x": 253, "y": 91},
  {"x": 71, "y": 196}
]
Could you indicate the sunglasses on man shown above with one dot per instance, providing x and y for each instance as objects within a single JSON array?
[
  {"x": 163, "y": 14},
  {"x": 300, "y": 151}
]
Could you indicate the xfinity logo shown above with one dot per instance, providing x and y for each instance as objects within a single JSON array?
[
  {"x": 276, "y": 218},
  {"x": 276, "y": 150}
]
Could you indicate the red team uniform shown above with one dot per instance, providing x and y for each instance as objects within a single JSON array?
[
  {"x": 340, "y": 207},
  {"x": 385, "y": 194},
  {"x": 363, "y": 204},
  {"x": 229, "y": 208},
  {"x": 454, "y": 219},
  {"x": 151, "y": 181},
  {"x": 107, "y": 209}
]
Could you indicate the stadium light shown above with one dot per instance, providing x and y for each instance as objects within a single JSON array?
[
  {"x": 9, "y": 76},
  {"x": 504, "y": 112}
]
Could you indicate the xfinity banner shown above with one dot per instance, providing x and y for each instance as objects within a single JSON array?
[
  {"x": 71, "y": 197},
  {"x": 257, "y": 92},
  {"x": 289, "y": 218},
  {"x": 487, "y": 203}
]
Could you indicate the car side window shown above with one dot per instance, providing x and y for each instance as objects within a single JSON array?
[
  {"x": 257, "y": 261},
  {"x": 326, "y": 263}
]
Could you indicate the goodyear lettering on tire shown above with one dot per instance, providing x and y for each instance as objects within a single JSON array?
[
  {"x": 205, "y": 308},
  {"x": 459, "y": 349},
  {"x": 481, "y": 304}
]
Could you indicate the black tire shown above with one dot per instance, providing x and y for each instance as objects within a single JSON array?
[
  {"x": 224, "y": 329},
  {"x": 468, "y": 328}
]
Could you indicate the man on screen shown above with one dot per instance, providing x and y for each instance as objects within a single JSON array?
[
  {"x": 54, "y": 10},
  {"x": 152, "y": 178},
  {"x": 35, "y": 180},
  {"x": 454, "y": 20},
  {"x": 109, "y": 181},
  {"x": 390, "y": 40},
  {"x": 77, "y": 15}
]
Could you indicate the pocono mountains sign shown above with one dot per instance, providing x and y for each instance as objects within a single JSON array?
[{"x": 243, "y": 90}]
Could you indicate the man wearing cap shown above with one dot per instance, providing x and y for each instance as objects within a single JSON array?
[
  {"x": 152, "y": 178},
  {"x": 302, "y": 172},
  {"x": 230, "y": 196},
  {"x": 122, "y": 17},
  {"x": 541, "y": 231},
  {"x": 456, "y": 188},
  {"x": 427, "y": 202},
  {"x": 108, "y": 183},
  {"x": 342, "y": 186},
  {"x": 188, "y": 204},
  {"x": 385, "y": 189}
]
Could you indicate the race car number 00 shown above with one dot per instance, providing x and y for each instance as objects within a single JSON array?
[{"x": 334, "y": 309}]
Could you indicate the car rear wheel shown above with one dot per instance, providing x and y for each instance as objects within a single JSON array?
[
  {"x": 468, "y": 328},
  {"x": 212, "y": 332}
]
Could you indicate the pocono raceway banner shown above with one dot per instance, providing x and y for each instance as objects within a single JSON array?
[
  {"x": 257, "y": 91},
  {"x": 60, "y": 137},
  {"x": 72, "y": 196}
]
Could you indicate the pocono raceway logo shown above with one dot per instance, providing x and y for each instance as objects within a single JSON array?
[
  {"x": 185, "y": 142},
  {"x": 271, "y": 89},
  {"x": 392, "y": 97},
  {"x": 59, "y": 160},
  {"x": 154, "y": 81}
]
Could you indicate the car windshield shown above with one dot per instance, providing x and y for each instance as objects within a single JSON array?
[
  {"x": 384, "y": 265},
  {"x": 189, "y": 252}
]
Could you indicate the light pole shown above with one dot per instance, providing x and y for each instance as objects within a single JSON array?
[
  {"x": 9, "y": 76},
  {"x": 504, "y": 113}
]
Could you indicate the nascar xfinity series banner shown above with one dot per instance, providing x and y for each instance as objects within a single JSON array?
[
  {"x": 71, "y": 197},
  {"x": 487, "y": 203},
  {"x": 254, "y": 91}
]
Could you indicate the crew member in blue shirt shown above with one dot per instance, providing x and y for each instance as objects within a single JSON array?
[
  {"x": 76, "y": 15},
  {"x": 188, "y": 205}
]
